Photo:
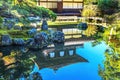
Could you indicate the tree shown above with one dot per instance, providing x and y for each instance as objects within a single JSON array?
[
  {"x": 28, "y": 8},
  {"x": 89, "y": 11},
  {"x": 108, "y": 6},
  {"x": 22, "y": 9},
  {"x": 86, "y": 2}
]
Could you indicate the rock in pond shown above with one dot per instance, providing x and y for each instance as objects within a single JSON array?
[
  {"x": 82, "y": 26},
  {"x": 6, "y": 40},
  {"x": 18, "y": 41},
  {"x": 58, "y": 37},
  {"x": 39, "y": 41}
]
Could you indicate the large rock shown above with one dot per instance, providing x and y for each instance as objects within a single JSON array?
[
  {"x": 18, "y": 41},
  {"x": 40, "y": 37},
  {"x": 6, "y": 40},
  {"x": 44, "y": 25},
  {"x": 58, "y": 37},
  {"x": 39, "y": 41}
]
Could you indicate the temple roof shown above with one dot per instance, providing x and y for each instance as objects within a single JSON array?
[{"x": 57, "y": 62}]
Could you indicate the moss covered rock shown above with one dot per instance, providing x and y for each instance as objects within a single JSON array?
[{"x": 6, "y": 40}]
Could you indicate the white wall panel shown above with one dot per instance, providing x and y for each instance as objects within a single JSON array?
[{"x": 43, "y": 4}]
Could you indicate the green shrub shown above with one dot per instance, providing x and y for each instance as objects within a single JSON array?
[{"x": 108, "y": 6}]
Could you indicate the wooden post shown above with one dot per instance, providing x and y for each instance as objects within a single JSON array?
[{"x": 59, "y": 6}]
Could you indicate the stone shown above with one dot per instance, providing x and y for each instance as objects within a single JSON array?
[
  {"x": 29, "y": 41},
  {"x": 51, "y": 33},
  {"x": 8, "y": 23},
  {"x": 82, "y": 26},
  {"x": 40, "y": 40},
  {"x": 10, "y": 26},
  {"x": 32, "y": 31},
  {"x": 6, "y": 40},
  {"x": 17, "y": 28},
  {"x": 58, "y": 37},
  {"x": 44, "y": 25},
  {"x": 18, "y": 41}
]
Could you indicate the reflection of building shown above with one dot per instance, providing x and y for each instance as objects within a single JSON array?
[
  {"x": 56, "y": 58},
  {"x": 65, "y": 7}
]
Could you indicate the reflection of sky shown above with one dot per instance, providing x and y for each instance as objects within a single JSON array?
[{"x": 79, "y": 71}]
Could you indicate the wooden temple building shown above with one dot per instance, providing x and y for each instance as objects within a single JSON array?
[{"x": 63, "y": 7}]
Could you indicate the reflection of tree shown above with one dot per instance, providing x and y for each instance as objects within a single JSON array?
[
  {"x": 111, "y": 69},
  {"x": 2, "y": 67},
  {"x": 21, "y": 66},
  {"x": 91, "y": 30},
  {"x": 36, "y": 76}
]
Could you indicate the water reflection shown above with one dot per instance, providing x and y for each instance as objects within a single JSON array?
[
  {"x": 79, "y": 71},
  {"x": 52, "y": 55},
  {"x": 57, "y": 65},
  {"x": 71, "y": 52},
  {"x": 15, "y": 62}
]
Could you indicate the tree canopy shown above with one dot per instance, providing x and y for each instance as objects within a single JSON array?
[
  {"x": 22, "y": 9},
  {"x": 108, "y": 6}
]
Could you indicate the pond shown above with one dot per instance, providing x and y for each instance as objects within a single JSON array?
[
  {"x": 75, "y": 71},
  {"x": 80, "y": 70}
]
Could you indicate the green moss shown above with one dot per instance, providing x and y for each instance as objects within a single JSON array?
[
  {"x": 2, "y": 32},
  {"x": 17, "y": 33},
  {"x": 61, "y": 24}
]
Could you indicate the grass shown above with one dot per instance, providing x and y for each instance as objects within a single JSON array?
[
  {"x": 15, "y": 33},
  {"x": 2, "y": 32},
  {"x": 60, "y": 24},
  {"x": 18, "y": 34}
]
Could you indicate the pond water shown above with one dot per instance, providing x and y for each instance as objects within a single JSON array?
[
  {"x": 81, "y": 70},
  {"x": 74, "y": 71}
]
